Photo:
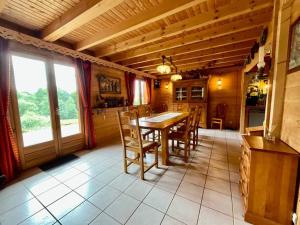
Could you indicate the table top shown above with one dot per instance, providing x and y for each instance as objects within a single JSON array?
[
  {"x": 257, "y": 143},
  {"x": 162, "y": 120}
]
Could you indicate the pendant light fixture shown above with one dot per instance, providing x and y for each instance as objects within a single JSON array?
[{"x": 164, "y": 68}]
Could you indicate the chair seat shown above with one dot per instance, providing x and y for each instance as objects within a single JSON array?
[
  {"x": 177, "y": 135},
  {"x": 147, "y": 145}
]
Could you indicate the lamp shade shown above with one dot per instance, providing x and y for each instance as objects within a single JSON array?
[
  {"x": 176, "y": 77},
  {"x": 164, "y": 69}
]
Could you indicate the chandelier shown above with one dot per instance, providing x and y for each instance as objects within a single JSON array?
[{"x": 164, "y": 68}]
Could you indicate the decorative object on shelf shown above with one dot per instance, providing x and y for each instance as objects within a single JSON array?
[
  {"x": 195, "y": 74},
  {"x": 263, "y": 37},
  {"x": 165, "y": 68},
  {"x": 219, "y": 83},
  {"x": 294, "y": 53},
  {"x": 109, "y": 85}
]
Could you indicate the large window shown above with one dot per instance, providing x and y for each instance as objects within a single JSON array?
[
  {"x": 44, "y": 106},
  {"x": 140, "y": 95}
]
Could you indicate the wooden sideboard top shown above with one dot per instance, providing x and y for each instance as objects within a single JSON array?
[{"x": 257, "y": 143}]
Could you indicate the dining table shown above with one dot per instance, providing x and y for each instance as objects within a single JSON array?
[{"x": 163, "y": 122}]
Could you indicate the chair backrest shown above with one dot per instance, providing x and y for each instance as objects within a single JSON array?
[
  {"x": 221, "y": 111},
  {"x": 189, "y": 125},
  {"x": 196, "y": 118},
  {"x": 130, "y": 133},
  {"x": 144, "y": 110}
]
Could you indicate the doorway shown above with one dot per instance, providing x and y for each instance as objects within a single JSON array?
[{"x": 46, "y": 108}]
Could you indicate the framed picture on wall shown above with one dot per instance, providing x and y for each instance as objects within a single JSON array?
[
  {"x": 294, "y": 53},
  {"x": 108, "y": 84}
]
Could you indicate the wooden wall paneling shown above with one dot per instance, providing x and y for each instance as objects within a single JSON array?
[
  {"x": 228, "y": 94},
  {"x": 105, "y": 122}
]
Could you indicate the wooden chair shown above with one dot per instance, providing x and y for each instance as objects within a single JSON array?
[
  {"x": 182, "y": 138},
  {"x": 196, "y": 113},
  {"x": 145, "y": 111},
  {"x": 132, "y": 142},
  {"x": 220, "y": 116}
]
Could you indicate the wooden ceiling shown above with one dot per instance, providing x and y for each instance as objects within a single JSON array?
[{"x": 136, "y": 33}]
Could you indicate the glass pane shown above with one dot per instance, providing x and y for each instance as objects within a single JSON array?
[
  {"x": 33, "y": 100},
  {"x": 67, "y": 99},
  {"x": 136, "y": 100}
]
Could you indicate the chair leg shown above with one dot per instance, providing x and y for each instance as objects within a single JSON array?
[
  {"x": 125, "y": 161},
  {"x": 156, "y": 156},
  {"x": 142, "y": 167},
  {"x": 221, "y": 125}
]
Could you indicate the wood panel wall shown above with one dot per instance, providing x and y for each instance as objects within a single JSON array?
[
  {"x": 290, "y": 128},
  {"x": 105, "y": 121},
  {"x": 230, "y": 94}
]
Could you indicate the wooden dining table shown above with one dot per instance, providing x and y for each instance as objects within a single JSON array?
[{"x": 163, "y": 122}]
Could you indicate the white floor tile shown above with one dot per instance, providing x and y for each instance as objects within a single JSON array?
[
  {"x": 139, "y": 189},
  {"x": 218, "y": 184},
  {"x": 170, "y": 221},
  {"x": 104, "y": 197},
  {"x": 104, "y": 219},
  {"x": 217, "y": 201},
  {"x": 184, "y": 210},
  {"x": 42, "y": 217},
  {"x": 190, "y": 191},
  {"x": 53, "y": 194},
  {"x": 81, "y": 215},
  {"x": 64, "y": 205},
  {"x": 211, "y": 217},
  {"x": 145, "y": 215},
  {"x": 159, "y": 199},
  {"x": 122, "y": 208}
]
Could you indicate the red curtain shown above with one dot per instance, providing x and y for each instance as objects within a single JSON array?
[
  {"x": 9, "y": 153},
  {"x": 84, "y": 69},
  {"x": 130, "y": 86},
  {"x": 149, "y": 91}
]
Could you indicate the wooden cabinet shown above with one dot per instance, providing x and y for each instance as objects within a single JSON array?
[
  {"x": 268, "y": 174},
  {"x": 190, "y": 93}
]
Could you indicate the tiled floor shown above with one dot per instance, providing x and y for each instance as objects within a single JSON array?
[{"x": 94, "y": 190}]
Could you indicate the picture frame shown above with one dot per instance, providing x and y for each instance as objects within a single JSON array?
[
  {"x": 294, "y": 47},
  {"x": 109, "y": 84}
]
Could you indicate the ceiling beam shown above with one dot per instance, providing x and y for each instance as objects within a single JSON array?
[
  {"x": 200, "y": 52},
  {"x": 2, "y": 5},
  {"x": 219, "y": 56},
  {"x": 166, "y": 8},
  {"x": 218, "y": 70},
  {"x": 201, "y": 65},
  {"x": 80, "y": 14},
  {"x": 249, "y": 34},
  {"x": 226, "y": 28}
]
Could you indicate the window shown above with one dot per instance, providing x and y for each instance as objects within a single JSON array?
[{"x": 140, "y": 95}]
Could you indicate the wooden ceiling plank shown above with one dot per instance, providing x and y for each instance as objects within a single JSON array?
[
  {"x": 213, "y": 50},
  {"x": 251, "y": 34},
  {"x": 83, "y": 12},
  {"x": 212, "y": 32},
  {"x": 193, "y": 23},
  {"x": 166, "y": 8},
  {"x": 219, "y": 56},
  {"x": 203, "y": 65}
]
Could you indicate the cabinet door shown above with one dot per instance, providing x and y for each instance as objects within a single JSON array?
[
  {"x": 181, "y": 94},
  {"x": 197, "y": 94}
]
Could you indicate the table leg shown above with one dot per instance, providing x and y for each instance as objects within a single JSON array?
[{"x": 165, "y": 146}]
